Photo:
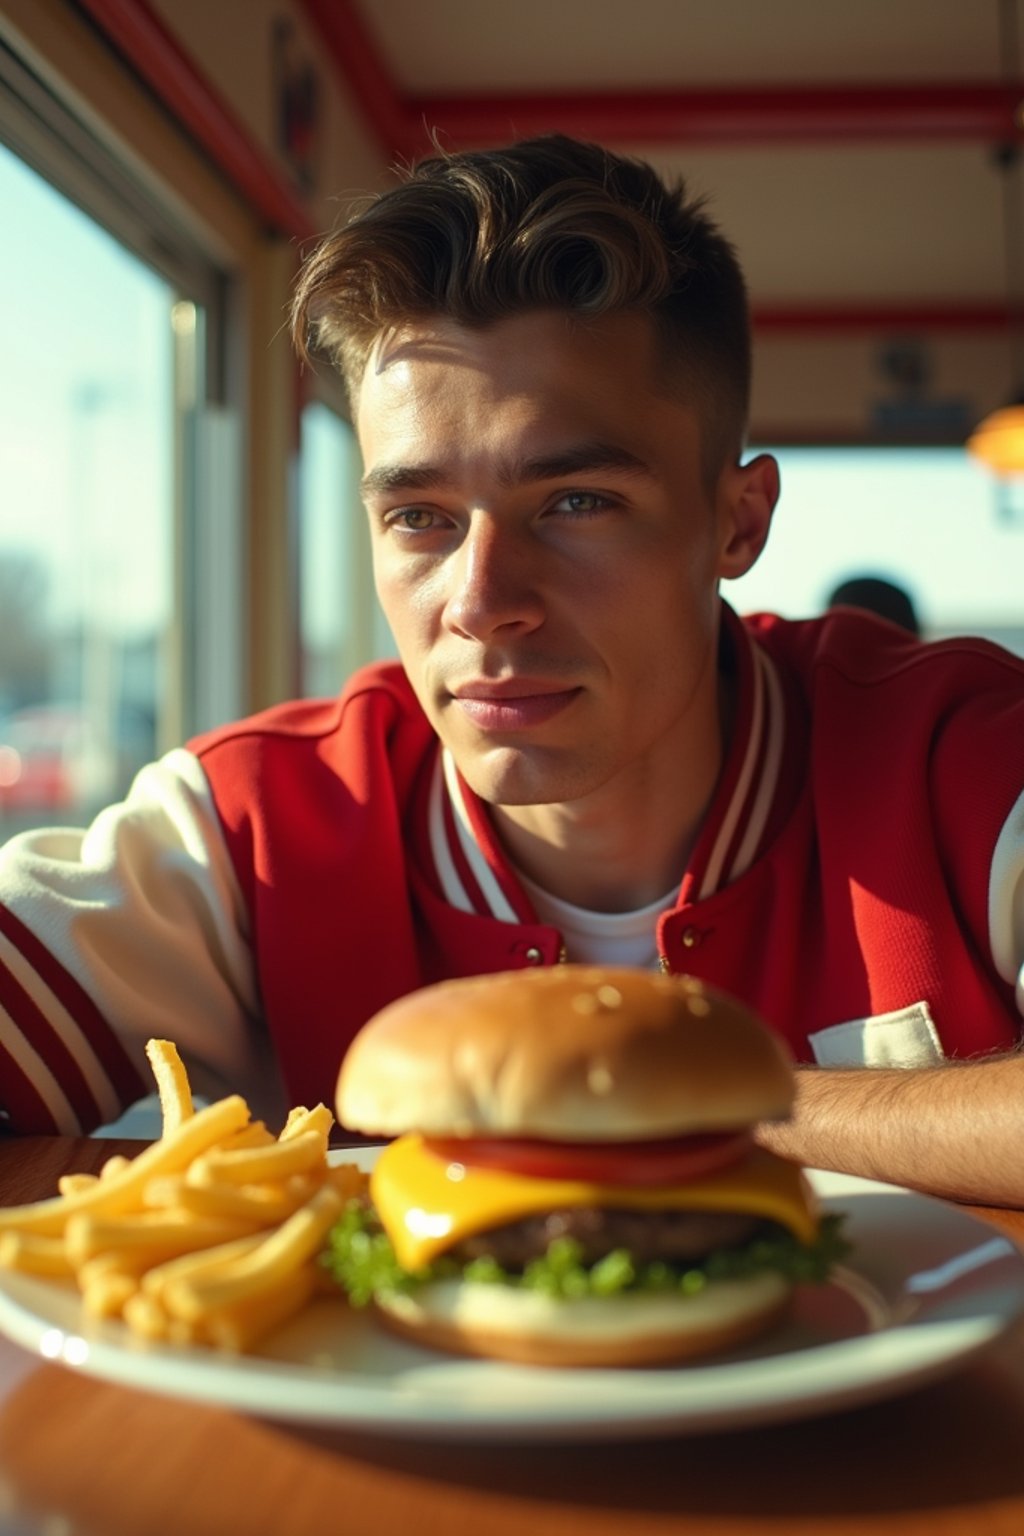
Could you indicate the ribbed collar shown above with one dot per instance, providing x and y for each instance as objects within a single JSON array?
[{"x": 472, "y": 871}]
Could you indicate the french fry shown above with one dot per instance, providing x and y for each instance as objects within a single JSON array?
[
  {"x": 34, "y": 1255},
  {"x": 296, "y": 1113},
  {"x": 164, "y": 1193},
  {"x": 281, "y": 1253},
  {"x": 114, "y": 1165},
  {"x": 108, "y": 1295},
  {"x": 145, "y": 1316},
  {"x": 255, "y": 1134},
  {"x": 300, "y": 1122},
  {"x": 188, "y": 1266},
  {"x": 241, "y": 1326},
  {"x": 259, "y": 1165},
  {"x": 76, "y": 1183},
  {"x": 132, "y": 1266},
  {"x": 155, "y": 1236},
  {"x": 123, "y": 1192},
  {"x": 208, "y": 1237},
  {"x": 263, "y": 1204},
  {"x": 172, "y": 1083}
]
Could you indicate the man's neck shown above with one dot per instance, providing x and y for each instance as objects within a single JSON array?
[{"x": 622, "y": 847}]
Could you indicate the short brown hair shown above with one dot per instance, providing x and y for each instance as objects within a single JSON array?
[{"x": 545, "y": 223}]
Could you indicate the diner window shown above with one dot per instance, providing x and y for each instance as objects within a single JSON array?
[
  {"x": 120, "y": 529},
  {"x": 86, "y": 386},
  {"x": 930, "y": 520},
  {"x": 341, "y": 624}
]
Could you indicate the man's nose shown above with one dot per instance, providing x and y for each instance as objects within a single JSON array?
[{"x": 493, "y": 581}]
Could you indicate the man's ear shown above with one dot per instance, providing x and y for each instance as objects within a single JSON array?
[{"x": 747, "y": 497}]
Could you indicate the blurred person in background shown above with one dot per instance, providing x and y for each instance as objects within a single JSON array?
[{"x": 876, "y": 594}]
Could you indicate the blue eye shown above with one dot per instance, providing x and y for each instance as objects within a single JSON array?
[{"x": 581, "y": 503}]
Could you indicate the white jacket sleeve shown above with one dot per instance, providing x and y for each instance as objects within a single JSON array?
[
  {"x": 133, "y": 928},
  {"x": 1006, "y": 901}
]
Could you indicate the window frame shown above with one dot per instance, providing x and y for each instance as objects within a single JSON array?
[{"x": 49, "y": 87}]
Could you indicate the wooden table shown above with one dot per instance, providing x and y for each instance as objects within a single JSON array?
[{"x": 87, "y": 1458}]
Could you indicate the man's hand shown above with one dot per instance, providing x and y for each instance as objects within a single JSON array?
[{"x": 955, "y": 1130}]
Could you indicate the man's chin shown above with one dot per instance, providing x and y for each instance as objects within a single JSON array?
[{"x": 510, "y": 776}]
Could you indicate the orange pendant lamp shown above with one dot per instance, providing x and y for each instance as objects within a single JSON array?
[{"x": 998, "y": 441}]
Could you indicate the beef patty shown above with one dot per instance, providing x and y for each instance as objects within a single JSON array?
[{"x": 673, "y": 1236}]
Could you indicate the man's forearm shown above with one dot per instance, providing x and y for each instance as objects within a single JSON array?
[{"x": 955, "y": 1130}]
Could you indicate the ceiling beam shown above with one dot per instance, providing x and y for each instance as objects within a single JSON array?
[
  {"x": 753, "y": 117},
  {"x": 992, "y": 112},
  {"x": 884, "y": 319}
]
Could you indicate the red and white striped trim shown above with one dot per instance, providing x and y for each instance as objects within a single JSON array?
[
  {"x": 56, "y": 1068},
  {"x": 465, "y": 854},
  {"x": 444, "y": 846},
  {"x": 474, "y": 876},
  {"x": 743, "y": 819}
]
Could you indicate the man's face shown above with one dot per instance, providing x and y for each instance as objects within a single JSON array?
[{"x": 545, "y": 550}]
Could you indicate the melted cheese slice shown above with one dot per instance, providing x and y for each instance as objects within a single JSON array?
[{"x": 428, "y": 1204}]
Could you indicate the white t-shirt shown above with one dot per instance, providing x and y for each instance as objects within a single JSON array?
[{"x": 602, "y": 938}]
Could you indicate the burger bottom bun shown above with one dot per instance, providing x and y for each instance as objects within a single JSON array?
[{"x": 500, "y": 1322}]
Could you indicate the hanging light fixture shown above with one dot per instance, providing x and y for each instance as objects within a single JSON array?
[{"x": 998, "y": 440}]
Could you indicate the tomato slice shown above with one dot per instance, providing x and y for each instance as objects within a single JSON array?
[{"x": 673, "y": 1160}]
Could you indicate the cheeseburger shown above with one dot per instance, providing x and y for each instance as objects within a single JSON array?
[{"x": 574, "y": 1179}]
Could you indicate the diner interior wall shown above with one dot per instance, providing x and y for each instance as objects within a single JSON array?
[
  {"x": 820, "y": 387},
  {"x": 835, "y": 227},
  {"x": 236, "y": 44},
  {"x": 883, "y": 225},
  {"x": 891, "y": 199}
]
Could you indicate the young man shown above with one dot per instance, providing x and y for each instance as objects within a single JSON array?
[{"x": 584, "y": 754}]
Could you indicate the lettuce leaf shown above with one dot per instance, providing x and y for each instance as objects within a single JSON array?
[{"x": 362, "y": 1261}]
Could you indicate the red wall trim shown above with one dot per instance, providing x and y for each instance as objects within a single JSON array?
[
  {"x": 798, "y": 114},
  {"x": 177, "y": 81},
  {"x": 893, "y": 318}
]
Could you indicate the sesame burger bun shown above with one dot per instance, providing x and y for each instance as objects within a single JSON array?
[
  {"x": 584, "y": 1053},
  {"x": 567, "y": 1054}
]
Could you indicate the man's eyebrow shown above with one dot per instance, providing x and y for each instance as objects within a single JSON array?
[
  {"x": 563, "y": 463},
  {"x": 579, "y": 459},
  {"x": 402, "y": 477}
]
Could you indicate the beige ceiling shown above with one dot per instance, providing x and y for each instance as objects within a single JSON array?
[
  {"x": 529, "y": 45},
  {"x": 908, "y": 221}
]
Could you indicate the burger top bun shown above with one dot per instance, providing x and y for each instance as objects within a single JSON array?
[{"x": 570, "y": 1052}]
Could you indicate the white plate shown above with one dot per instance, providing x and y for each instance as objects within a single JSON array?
[{"x": 928, "y": 1287}]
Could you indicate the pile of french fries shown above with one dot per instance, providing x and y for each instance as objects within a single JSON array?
[{"x": 209, "y": 1236}]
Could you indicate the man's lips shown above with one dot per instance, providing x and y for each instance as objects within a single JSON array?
[{"x": 512, "y": 705}]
